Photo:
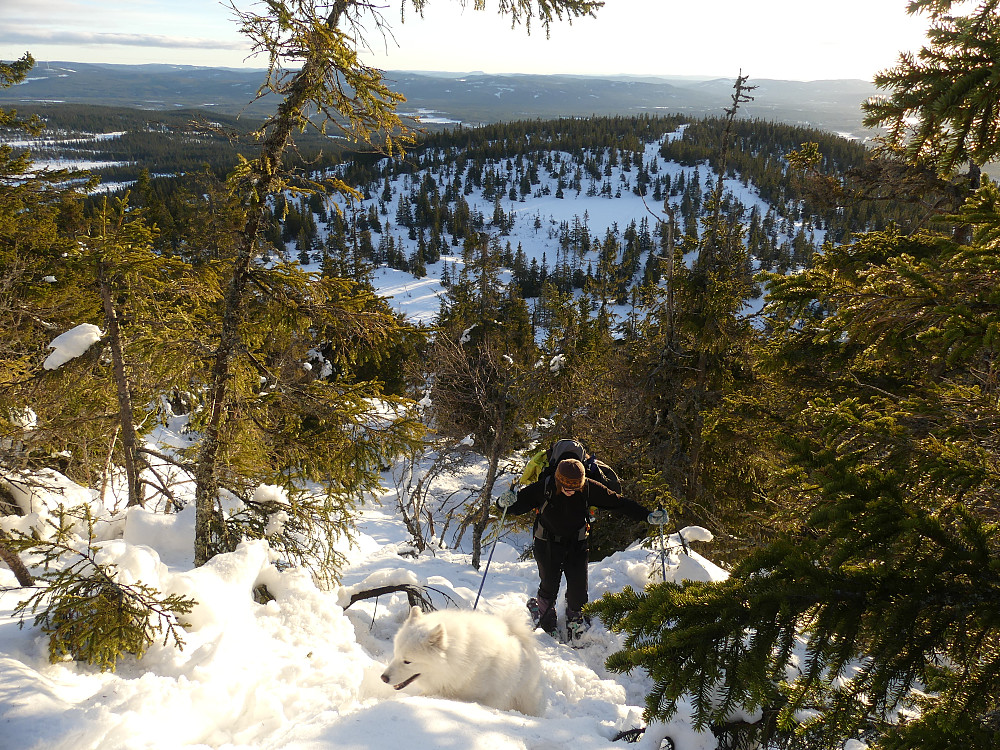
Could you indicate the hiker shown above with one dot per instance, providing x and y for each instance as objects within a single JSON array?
[{"x": 562, "y": 501}]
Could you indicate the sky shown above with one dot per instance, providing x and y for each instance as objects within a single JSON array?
[{"x": 788, "y": 39}]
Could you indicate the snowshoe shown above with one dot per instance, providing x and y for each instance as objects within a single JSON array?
[
  {"x": 544, "y": 619},
  {"x": 533, "y": 610},
  {"x": 576, "y": 625}
]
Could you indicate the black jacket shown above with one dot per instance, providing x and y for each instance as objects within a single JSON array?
[{"x": 564, "y": 516}]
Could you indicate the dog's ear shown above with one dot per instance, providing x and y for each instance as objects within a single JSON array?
[
  {"x": 437, "y": 638},
  {"x": 415, "y": 613}
]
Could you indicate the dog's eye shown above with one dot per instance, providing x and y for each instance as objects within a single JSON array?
[{"x": 405, "y": 661}]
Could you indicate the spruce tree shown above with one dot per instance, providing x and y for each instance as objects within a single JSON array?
[
  {"x": 480, "y": 370},
  {"x": 316, "y": 73},
  {"x": 313, "y": 34},
  {"x": 148, "y": 302},
  {"x": 871, "y": 611},
  {"x": 47, "y": 418},
  {"x": 880, "y": 594},
  {"x": 943, "y": 101},
  {"x": 693, "y": 353}
]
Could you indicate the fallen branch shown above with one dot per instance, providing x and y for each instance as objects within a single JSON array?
[{"x": 416, "y": 595}]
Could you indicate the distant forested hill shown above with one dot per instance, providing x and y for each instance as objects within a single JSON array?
[{"x": 472, "y": 98}]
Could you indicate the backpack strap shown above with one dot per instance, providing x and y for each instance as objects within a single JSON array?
[{"x": 548, "y": 492}]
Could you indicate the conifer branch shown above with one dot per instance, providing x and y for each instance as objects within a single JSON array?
[{"x": 89, "y": 615}]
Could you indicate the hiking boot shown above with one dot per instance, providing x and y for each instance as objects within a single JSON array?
[
  {"x": 576, "y": 625},
  {"x": 533, "y": 611},
  {"x": 543, "y": 615}
]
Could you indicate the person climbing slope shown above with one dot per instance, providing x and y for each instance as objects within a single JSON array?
[{"x": 561, "y": 502}]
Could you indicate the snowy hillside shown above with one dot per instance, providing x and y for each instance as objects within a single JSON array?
[
  {"x": 538, "y": 223},
  {"x": 302, "y": 671}
]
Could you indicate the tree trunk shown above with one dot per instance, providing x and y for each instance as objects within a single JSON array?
[
  {"x": 14, "y": 563},
  {"x": 106, "y": 473},
  {"x": 962, "y": 234},
  {"x": 266, "y": 179},
  {"x": 479, "y": 527},
  {"x": 692, "y": 491},
  {"x": 130, "y": 442}
]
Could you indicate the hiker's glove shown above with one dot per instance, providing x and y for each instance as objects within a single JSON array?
[
  {"x": 657, "y": 518},
  {"x": 507, "y": 499}
]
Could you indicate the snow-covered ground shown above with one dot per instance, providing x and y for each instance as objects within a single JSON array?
[
  {"x": 536, "y": 223},
  {"x": 57, "y": 143},
  {"x": 536, "y": 220},
  {"x": 302, "y": 671}
]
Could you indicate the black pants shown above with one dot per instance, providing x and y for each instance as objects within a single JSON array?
[{"x": 556, "y": 559}]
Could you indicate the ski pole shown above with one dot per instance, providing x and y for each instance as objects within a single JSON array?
[
  {"x": 489, "y": 559},
  {"x": 663, "y": 552}
]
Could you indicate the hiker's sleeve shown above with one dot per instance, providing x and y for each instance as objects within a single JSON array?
[
  {"x": 602, "y": 497},
  {"x": 528, "y": 498}
]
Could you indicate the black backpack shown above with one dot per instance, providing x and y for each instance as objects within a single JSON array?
[
  {"x": 543, "y": 464},
  {"x": 596, "y": 470}
]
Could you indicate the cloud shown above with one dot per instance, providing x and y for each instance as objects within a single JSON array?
[
  {"x": 40, "y": 36},
  {"x": 26, "y": 9}
]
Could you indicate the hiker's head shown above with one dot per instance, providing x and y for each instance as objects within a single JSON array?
[{"x": 570, "y": 474}]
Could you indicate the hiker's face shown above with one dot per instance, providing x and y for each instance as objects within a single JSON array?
[{"x": 568, "y": 490}]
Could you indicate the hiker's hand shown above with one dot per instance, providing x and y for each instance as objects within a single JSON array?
[
  {"x": 658, "y": 517},
  {"x": 507, "y": 499}
]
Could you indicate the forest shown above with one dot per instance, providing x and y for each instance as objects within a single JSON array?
[
  {"x": 170, "y": 143},
  {"x": 841, "y": 443}
]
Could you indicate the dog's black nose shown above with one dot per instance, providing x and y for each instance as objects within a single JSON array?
[{"x": 385, "y": 678}]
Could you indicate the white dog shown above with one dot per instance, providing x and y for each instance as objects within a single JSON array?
[{"x": 470, "y": 656}]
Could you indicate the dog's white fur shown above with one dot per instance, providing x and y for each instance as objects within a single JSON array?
[{"x": 470, "y": 656}]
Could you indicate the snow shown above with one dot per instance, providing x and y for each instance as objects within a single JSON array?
[
  {"x": 419, "y": 299},
  {"x": 40, "y": 146},
  {"x": 430, "y": 117},
  {"x": 39, "y": 143},
  {"x": 25, "y": 419},
  {"x": 71, "y": 344},
  {"x": 302, "y": 670}
]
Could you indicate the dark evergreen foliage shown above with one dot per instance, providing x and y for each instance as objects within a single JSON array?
[
  {"x": 884, "y": 575},
  {"x": 869, "y": 610},
  {"x": 90, "y": 615}
]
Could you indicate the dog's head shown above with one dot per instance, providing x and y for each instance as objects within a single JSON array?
[{"x": 417, "y": 644}]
